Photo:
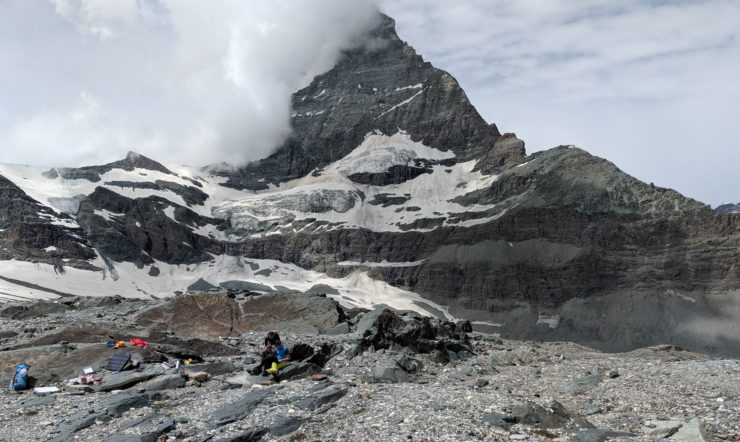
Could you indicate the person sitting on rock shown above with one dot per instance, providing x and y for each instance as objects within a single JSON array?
[
  {"x": 268, "y": 354},
  {"x": 282, "y": 357}
]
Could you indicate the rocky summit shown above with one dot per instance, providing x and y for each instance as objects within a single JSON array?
[{"x": 432, "y": 281}]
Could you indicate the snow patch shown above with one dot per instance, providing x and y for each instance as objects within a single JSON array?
[{"x": 356, "y": 290}]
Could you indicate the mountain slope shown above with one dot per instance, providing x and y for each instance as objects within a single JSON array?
[{"x": 392, "y": 189}]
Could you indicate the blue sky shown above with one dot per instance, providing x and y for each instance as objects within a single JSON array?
[{"x": 649, "y": 85}]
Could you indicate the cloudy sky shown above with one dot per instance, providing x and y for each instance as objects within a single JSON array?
[{"x": 651, "y": 85}]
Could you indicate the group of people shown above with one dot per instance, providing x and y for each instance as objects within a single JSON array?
[{"x": 275, "y": 356}]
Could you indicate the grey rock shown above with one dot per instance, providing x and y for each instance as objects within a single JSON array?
[
  {"x": 692, "y": 430},
  {"x": 598, "y": 435},
  {"x": 214, "y": 368},
  {"x": 408, "y": 363},
  {"x": 165, "y": 382},
  {"x": 297, "y": 370},
  {"x": 201, "y": 285},
  {"x": 497, "y": 420},
  {"x": 127, "y": 379},
  {"x": 285, "y": 425},
  {"x": 237, "y": 410},
  {"x": 323, "y": 397},
  {"x": 340, "y": 329},
  {"x": 251, "y": 435},
  {"x": 585, "y": 382},
  {"x": 390, "y": 371}
]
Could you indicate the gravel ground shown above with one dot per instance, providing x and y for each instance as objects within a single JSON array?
[{"x": 442, "y": 402}]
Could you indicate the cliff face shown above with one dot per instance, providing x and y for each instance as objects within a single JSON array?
[{"x": 393, "y": 186}]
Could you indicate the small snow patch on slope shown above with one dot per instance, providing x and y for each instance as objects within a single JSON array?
[{"x": 403, "y": 103}]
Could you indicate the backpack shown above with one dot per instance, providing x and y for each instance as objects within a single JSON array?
[{"x": 20, "y": 380}]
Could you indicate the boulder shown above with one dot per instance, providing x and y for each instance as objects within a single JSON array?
[
  {"x": 297, "y": 370},
  {"x": 210, "y": 315},
  {"x": 389, "y": 371},
  {"x": 301, "y": 351},
  {"x": 408, "y": 363}
]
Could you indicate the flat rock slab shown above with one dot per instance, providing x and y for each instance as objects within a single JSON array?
[
  {"x": 146, "y": 429},
  {"x": 213, "y": 369},
  {"x": 285, "y": 425},
  {"x": 164, "y": 382},
  {"x": 237, "y": 410},
  {"x": 316, "y": 400},
  {"x": 106, "y": 409},
  {"x": 691, "y": 431},
  {"x": 127, "y": 379}
]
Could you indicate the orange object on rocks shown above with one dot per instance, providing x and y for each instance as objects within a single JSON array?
[{"x": 119, "y": 344}]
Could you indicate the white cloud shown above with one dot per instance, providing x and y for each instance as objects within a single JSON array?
[{"x": 175, "y": 79}]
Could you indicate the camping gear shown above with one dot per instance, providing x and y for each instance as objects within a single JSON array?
[
  {"x": 118, "y": 361},
  {"x": 89, "y": 379},
  {"x": 43, "y": 391},
  {"x": 136, "y": 342},
  {"x": 20, "y": 380},
  {"x": 119, "y": 344}
]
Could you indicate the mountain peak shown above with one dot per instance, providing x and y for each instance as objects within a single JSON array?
[{"x": 382, "y": 85}]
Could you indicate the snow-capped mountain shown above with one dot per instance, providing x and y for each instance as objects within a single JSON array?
[{"x": 392, "y": 189}]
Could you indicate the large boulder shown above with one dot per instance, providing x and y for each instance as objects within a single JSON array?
[{"x": 210, "y": 315}]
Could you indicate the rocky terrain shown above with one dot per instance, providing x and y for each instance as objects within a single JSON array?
[
  {"x": 362, "y": 375},
  {"x": 391, "y": 189}
]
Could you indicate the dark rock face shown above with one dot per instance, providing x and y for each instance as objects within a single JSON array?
[
  {"x": 191, "y": 195},
  {"x": 27, "y": 230},
  {"x": 132, "y": 161},
  {"x": 383, "y": 87},
  {"x": 728, "y": 208},
  {"x": 139, "y": 230}
]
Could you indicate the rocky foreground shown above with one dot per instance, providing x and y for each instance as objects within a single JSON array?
[{"x": 378, "y": 375}]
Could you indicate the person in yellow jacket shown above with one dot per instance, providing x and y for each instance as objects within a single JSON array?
[{"x": 282, "y": 357}]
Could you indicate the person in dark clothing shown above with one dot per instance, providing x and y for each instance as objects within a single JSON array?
[{"x": 268, "y": 354}]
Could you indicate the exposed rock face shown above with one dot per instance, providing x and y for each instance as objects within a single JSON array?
[
  {"x": 209, "y": 316},
  {"x": 140, "y": 230},
  {"x": 391, "y": 172},
  {"x": 384, "y": 85}
]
